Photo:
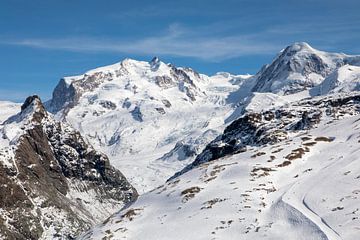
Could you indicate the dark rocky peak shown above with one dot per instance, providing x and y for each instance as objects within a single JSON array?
[
  {"x": 68, "y": 91},
  {"x": 29, "y": 100},
  {"x": 32, "y": 110},
  {"x": 33, "y": 104},
  {"x": 154, "y": 60},
  {"x": 155, "y": 63}
]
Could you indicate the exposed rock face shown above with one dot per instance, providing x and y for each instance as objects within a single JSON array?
[
  {"x": 164, "y": 82},
  {"x": 68, "y": 91},
  {"x": 108, "y": 105},
  {"x": 155, "y": 63},
  {"x": 308, "y": 120},
  {"x": 64, "y": 95},
  {"x": 54, "y": 185}
]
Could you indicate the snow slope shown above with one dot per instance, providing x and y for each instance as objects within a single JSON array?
[
  {"x": 304, "y": 187},
  {"x": 344, "y": 79},
  {"x": 150, "y": 118},
  {"x": 8, "y": 109}
]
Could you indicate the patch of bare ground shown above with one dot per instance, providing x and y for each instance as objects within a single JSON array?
[
  {"x": 122, "y": 229},
  {"x": 337, "y": 208},
  {"x": 224, "y": 224},
  {"x": 324, "y": 139},
  {"x": 261, "y": 171},
  {"x": 309, "y": 144},
  {"x": 131, "y": 213},
  {"x": 215, "y": 171},
  {"x": 284, "y": 164},
  {"x": 211, "y": 203},
  {"x": 189, "y": 193},
  {"x": 258, "y": 154},
  {"x": 267, "y": 190},
  {"x": 277, "y": 150},
  {"x": 265, "y": 169},
  {"x": 305, "y": 139},
  {"x": 297, "y": 153}
]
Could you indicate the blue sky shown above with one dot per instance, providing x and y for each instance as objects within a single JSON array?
[{"x": 42, "y": 41}]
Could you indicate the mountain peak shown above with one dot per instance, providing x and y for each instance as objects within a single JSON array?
[
  {"x": 298, "y": 67},
  {"x": 155, "y": 60},
  {"x": 34, "y": 107},
  {"x": 30, "y": 100},
  {"x": 299, "y": 47},
  {"x": 155, "y": 63}
]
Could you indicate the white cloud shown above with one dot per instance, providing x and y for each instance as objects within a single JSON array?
[
  {"x": 176, "y": 41},
  {"x": 13, "y": 95}
]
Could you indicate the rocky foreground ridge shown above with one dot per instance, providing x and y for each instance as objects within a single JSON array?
[{"x": 53, "y": 184}]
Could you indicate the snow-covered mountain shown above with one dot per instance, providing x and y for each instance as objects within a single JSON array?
[
  {"x": 299, "y": 67},
  {"x": 288, "y": 173},
  {"x": 269, "y": 156},
  {"x": 150, "y": 118},
  {"x": 285, "y": 166},
  {"x": 297, "y": 72},
  {"x": 53, "y": 184}
]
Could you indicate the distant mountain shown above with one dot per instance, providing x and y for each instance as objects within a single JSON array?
[
  {"x": 53, "y": 184},
  {"x": 150, "y": 118},
  {"x": 299, "y": 67}
]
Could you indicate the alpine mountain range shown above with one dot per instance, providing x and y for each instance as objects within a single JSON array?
[{"x": 150, "y": 150}]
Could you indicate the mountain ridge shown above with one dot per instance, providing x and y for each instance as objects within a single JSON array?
[{"x": 54, "y": 184}]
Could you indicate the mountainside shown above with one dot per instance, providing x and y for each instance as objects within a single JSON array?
[
  {"x": 299, "y": 67},
  {"x": 342, "y": 80},
  {"x": 284, "y": 167},
  {"x": 297, "y": 72},
  {"x": 150, "y": 118},
  {"x": 288, "y": 173},
  {"x": 53, "y": 184}
]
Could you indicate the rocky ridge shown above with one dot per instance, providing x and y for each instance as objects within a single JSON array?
[{"x": 53, "y": 183}]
